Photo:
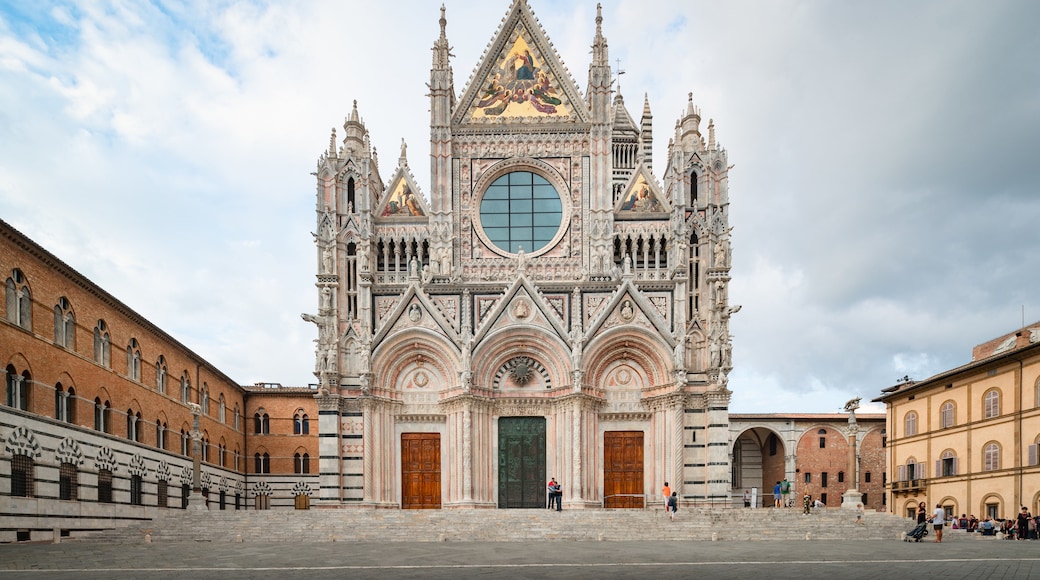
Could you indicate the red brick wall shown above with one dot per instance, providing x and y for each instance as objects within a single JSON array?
[
  {"x": 282, "y": 443},
  {"x": 832, "y": 459}
]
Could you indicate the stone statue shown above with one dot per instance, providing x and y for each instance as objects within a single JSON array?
[
  {"x": 720, "y": 253},
  {"x": 326, "y": 260},
  {"x": 326, "y": 298}
]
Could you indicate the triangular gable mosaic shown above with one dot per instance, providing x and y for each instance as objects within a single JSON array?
[
  {"x": 642, "y": 197},
  {"x": 521, "y": 76},
  {"x": 402, "y": 201}
]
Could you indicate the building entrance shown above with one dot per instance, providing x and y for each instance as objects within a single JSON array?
[
  {"x": 521, "y": 462},
  {"x": 420, "y": 470},
  {"x": 623, "y": 469}
]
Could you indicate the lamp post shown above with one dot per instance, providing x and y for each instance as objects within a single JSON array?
[{"x": 196, "y": 502}]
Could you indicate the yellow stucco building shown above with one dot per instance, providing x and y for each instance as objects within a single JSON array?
[{"x": 967, "y": 438}]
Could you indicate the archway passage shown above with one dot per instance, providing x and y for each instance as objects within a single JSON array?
[
  {"x": 521, "y": 462},
  {"x": 420, "y": 470},
  {"x": 758, "y": 461},
  {"x": 623, "y": 469}
]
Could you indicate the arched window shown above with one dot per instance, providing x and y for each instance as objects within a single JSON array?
[
  {"x": 947, "y": 418},
  {"x": 185, "y": 449},
  {"x": 991, "y": 457},
  {"x": 991, "y": 404},
  {"x": 64, "y": 324},
  {"x": 222, "y": 409},
  {"x": 185, "y": 388},
  {"x": 262, "y": 423},
  {"x": 64, "y": 404},
  {"x": 204, "y": 446},
  {"x": 19, "y": 300},
  {"x": 102, "y": 345},
  {"x": 133, "y": 360},
  {"x": 823, "y": 438},
  {"x": 351, "y": 202},
  {"x": 238, "y": 418},
  {"x": 693, "y": 189},
  {"x": 160, "y": 374},
  {"x": 160, "y": 434},
  {"x": 911, "y": 423},
  {"x": 262, "y": 463},
  {"x": 947, "y": 464},
  {"x": 18, "y": 388},
  {"x": 301, "y": 424},
  {"x": 301, "y": 463},
  {"x": 238, "y": 454},
  {"x": 204, "y": 398},
  {"x": 911, "y": 470},
  {"x": 220, "y": 453}
]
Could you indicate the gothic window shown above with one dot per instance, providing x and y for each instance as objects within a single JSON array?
[
  {"x": 991, "y": 457},
  {"x": 301, "y": 424},
  {"x": 104, "y": 486},
  {"x": 64, "y": 324},
  {"x": 220, "y": 454},
  {"x": 693, "y": 274},
  {"x": 301, "y": 463},
  {"x": 946, "y": 415},
  {"x": 102, "y": 415},
  {"x": 204, "y": 398},
  {"x": 102, "y": 345},
  {"x": 160, "y": 434},
  {"x": 133, "y": 421},
  {"x": 222, "y": 409},
  {"x": 693, "y": 190},
  {"x": 520, "y": 210},
  {"x": 19, "y": 300},
  {"x": 351, "y": 201},
  {"x": 160, "y": 374},
  {"x": 64, "y": 404},
  {"x": 185, "y": 450},
  {"x": 237, "y": 455},
  {"x": 204, "y": 446},
  {"x": 133, "y": 360},
  {"x": 262, "y": 463},
  {"x": 262, "y": 423},
  {"x": 136, "y": 495},
  {"x": 991, "y": 404},
  {"x": 911, "y": 423},
  {"x": 185, "y": 388},
  {"x": 23, "y": 476},
  {"x": 17, "y": 388},
  {"x": 68, "y": 482},
  {"x": 238, "y": 418}
]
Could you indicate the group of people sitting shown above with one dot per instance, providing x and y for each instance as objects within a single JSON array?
[{"x": 1023, "y": 527}]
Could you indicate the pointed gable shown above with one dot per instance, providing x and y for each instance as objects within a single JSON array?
[
  {"x": 520, "y": 75},
  {"x": 643, "y": 198},
  {"x": 402, "y": 198}
]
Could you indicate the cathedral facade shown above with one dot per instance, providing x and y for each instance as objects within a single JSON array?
[{"x": 549, "y": 306}]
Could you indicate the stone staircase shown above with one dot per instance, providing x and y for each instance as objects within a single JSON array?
[{"x": 384, "y": 525}]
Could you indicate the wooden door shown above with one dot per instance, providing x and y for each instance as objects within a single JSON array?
[
  {"x": 521, "y": 462},
  {"x": 420, "y": 470},
  {"x": 623, "y": 469}
]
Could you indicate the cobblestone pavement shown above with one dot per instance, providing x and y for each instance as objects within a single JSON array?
[{"x": 887, "y": 560}]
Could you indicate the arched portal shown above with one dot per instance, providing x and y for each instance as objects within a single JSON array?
[{"x": 758, "y": 462}]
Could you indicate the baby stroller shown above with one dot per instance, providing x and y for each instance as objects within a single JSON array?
[{"x": 919, "y": 532}]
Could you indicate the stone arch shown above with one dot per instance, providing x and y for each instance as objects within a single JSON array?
[
  {"x": 632, "y": 346},
  {"x": 69, "y": 452},
  {"x": 996, "y": 498},
  {"x": 758, "y": 459},
  {"x": 23, "y": 442},
  {"x": 501, "y": 347},
  {"x": 399, "y": 361}
]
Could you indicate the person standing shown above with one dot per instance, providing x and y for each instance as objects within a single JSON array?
[
  {"x": 673, "y": 505},
  {"x": 666, "y": 493},
  {"x": 785, "y": 492},
  {"x": 806, "y": 503},
  {"x": 776, "y": 495},
  {"x": 859, "y": 514},
  {"x": 558, "y": 493},
  {"x": 1023, "y": 523},
  {"x": 938, "y": 520},
  {"x": 747, "y": 498},
  {"x": 922, "y": 513},
  {"x": 550, "y": 491}
]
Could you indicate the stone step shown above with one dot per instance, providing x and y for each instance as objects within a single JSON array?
[{"x": 361, "y": 524}]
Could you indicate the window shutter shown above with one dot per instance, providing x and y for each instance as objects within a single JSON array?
[
  {"x": 920, "y": 471},
  {"x": 902, "y": 473},
  {"x": 1033, "y": 455},
  {"x": 938, "y": 467},
  {"x": 954, "y": 466}
]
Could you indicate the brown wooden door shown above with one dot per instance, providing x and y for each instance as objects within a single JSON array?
[
  {"x": 420, "y": 470},
  {"x": 623, "y": 469}
]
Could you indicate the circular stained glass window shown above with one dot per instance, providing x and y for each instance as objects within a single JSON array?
[{"x": 521, "y": 210}]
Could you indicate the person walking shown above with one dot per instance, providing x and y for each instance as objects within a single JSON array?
[
  {"x": 938, "y": 520},
  {"x": 859, "y": 514},
  {"x": 673, "y": 505},
  {"x": 666, "y": 493},
  {"x": 785, "y": 492}
]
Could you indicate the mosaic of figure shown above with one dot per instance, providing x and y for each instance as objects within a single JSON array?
[
  {"x": 519, "y": 87},
  {"x": 402, "y": 202}
]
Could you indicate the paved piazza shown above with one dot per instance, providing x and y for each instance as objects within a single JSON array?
[{"x": 887, "y": 560}]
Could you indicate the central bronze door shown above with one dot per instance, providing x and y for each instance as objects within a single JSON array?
[
  {"x": 521, "y": 462},
  {"x": 420, "y": 470},
  {"x": 623, "y": 469}
]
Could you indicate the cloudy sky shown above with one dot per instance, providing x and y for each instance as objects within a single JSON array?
[{"x": 886, "y": 194}]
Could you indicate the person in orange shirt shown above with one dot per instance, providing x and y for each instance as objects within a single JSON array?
[{"x": 666, "y": 492}]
